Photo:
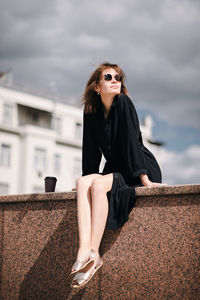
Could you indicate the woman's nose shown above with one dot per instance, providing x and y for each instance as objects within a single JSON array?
[{"x": 113, "y": 79}]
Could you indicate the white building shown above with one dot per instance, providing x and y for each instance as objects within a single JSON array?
[{"x": 39, "y": 138}]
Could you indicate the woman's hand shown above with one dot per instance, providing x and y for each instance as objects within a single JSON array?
[{"x": 146, "y": 182}]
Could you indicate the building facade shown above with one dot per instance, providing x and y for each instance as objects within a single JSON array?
[{"x": 40, "y": 137}]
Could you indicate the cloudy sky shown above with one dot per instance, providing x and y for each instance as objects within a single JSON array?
[{"x": 52, "y": 46}]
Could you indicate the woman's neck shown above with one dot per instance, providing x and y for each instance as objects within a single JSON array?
[{"x": 107, "y": 101}]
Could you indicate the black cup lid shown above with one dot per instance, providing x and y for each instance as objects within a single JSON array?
[{"x": 50, "y": 177}]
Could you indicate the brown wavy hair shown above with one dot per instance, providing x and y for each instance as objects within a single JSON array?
[{"x": 90, "y": 97}]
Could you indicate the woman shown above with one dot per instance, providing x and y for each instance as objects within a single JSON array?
[{"x": 110, "y": 127}]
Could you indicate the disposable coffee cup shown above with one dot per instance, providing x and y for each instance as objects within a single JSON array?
[{"x": 50, "y": 184}]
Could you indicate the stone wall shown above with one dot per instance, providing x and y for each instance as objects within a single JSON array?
[{"x": 155, "y": 255}]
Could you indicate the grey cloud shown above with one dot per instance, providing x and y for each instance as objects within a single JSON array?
[
  {"x": 185, "y": 164},
  {"x": 156, "y": 43}
]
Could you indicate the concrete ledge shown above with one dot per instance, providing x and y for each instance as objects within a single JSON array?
[
  {"x": 186, "y": 189},
  {"x": 38, "y": 197},
  {"x": 155, "y": 255}
]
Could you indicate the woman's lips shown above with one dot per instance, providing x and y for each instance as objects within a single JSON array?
[{"x": 114, "y": 86}]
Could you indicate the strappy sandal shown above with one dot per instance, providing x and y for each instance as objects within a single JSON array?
[
  {"x": 79, "y": 264},
  {"x": 82, "y": 278}
]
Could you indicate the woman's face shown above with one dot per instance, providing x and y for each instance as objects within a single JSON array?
[{"x": 110, "y": 83}]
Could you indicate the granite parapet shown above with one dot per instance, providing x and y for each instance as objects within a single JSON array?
[
  {"x": 155, "y": 255},
  {"x": 185, "y": 189}
]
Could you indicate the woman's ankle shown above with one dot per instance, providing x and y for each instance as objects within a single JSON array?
[
  {"x": 83, "y": 252},
  {"x": 96, "y": 250}
]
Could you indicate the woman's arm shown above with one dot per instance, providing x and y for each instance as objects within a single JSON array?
[
  {"x": 133, "y": 154},
  {"x": 91, "y": 154}
]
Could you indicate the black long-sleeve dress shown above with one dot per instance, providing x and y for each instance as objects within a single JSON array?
[{"x": 119, "y": 138}]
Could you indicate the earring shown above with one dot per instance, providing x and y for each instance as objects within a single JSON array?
[{"x": 98, "y": 93}]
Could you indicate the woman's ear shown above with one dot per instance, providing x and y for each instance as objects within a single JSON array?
[{"x": 97, "y": 89}]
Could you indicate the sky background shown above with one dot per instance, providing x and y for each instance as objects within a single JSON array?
[{"x": 52, "y": 46}]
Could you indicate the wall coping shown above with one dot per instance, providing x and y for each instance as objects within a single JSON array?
[{"x": 184, "y": 189}]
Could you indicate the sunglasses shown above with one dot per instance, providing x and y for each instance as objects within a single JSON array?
[{"x": 108, "y": 77}]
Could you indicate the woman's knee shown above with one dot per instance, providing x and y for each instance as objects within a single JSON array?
[
  {"x": 81, "y": 182},
  {"x": 86, "y": 181},
  {"x": 98, "y": 186}
]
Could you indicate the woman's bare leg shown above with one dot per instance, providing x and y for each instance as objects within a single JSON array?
[
  {"x": 84, "y": 213},
  {"x": 100, "y": 187},
  {"x": 92, "y": 204}
]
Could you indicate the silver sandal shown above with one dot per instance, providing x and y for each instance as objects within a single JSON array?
[
  {"x": 81, "y": 278},
  {"x": 79, "y": 264}
]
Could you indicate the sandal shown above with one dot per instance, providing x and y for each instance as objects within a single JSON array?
[
  {"x": 79, "y": 264},
  {"x": 81, "y": 278}
]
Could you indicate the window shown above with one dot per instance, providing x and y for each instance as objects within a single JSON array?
[
  {"x": 33, "y": 116},
  {"x": 57, "y": 163},
  {"x": 40, "y": 159},
  {"x": 78, "y": 130},
  {"x": 7, "y": 113},
  {"x": 5, "y": 155},
  {"x": 56, "y": 124},
  {"x": 4, "y": 188}
]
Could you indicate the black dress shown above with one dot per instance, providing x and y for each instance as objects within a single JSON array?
[{"x": 119, "y": 138}]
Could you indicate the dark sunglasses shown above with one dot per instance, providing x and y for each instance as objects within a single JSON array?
[{"x": 108, "y": 77}]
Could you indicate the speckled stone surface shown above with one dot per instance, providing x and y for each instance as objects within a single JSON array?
[
  {"x": 38, "y": 197},
  {"x": 155, "y": 255},
  {"x": 183, "y": 189}
]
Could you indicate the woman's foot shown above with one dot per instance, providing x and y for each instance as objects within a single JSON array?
[
  {"x": 83, "y": 262},
  {"x": 83, "y": 277}
]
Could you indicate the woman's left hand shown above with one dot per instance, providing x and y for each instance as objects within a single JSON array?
[{"x": 146, "y": 182}]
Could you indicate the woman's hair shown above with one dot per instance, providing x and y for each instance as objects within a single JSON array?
[{"x": 90, "y": 98}]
